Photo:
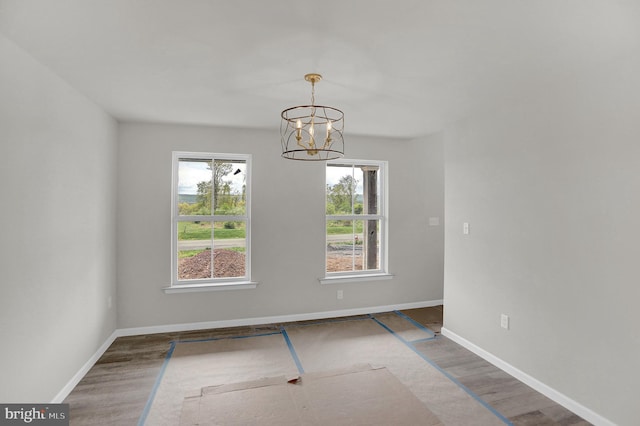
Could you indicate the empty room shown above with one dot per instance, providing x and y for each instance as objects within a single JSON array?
[{"x": 416, "y": 212}]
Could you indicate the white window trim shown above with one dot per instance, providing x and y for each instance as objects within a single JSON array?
[
  {"x": 190, "y": 288},
  {"x": 212, "y": 284},
  {"x": 356, "y": 278},
  {"x": 374, "y": 274}
]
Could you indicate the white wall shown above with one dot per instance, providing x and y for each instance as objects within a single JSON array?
[
  {"x": 551, "y": 188},
  {"x": 57, "y": 251},
  {"x": 288, "y": 227}
]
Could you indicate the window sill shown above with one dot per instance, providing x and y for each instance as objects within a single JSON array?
[
  {"x": 355, "y": 278},
  {"x": 189, "y": 288}
]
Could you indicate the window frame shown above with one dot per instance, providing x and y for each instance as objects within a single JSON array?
[
  {"x": 382, "y": 216},
  {"x": 212, "y": 283}
]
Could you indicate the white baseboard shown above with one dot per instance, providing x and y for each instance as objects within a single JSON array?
[
  {"x": 66, "y": 390},
  {"x": 273, "y": 319},
  {"x": 544, "y": 389}
]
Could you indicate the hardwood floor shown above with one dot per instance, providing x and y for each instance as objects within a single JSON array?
[
  {"x": 521, "y": 404},
  {"x": 116, "y": 389}
]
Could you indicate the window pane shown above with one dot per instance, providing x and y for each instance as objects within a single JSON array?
[
  {"x": 194, "y": 187},
  {"x": 341, "y": 189},
  {"x": 352, "y": 189},
  {"x": 344, "y": 245},
  {"x": 353, "y": 245},
  {"x": 194, "y": 250},
  {"x": 229, "y": 187},
  {"x": 229, "y": 249}
]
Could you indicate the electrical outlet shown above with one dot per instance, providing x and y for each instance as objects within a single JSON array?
[
  {"x": 339, "y": 295},
  {"x": 465, "y": 228},
  {"x": 504, "y": 321}
]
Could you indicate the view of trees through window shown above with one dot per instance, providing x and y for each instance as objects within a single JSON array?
[
  {"x": 211, "y": 227},
  {"x": 211, "y": 217},
  {"x": 353, "y": 225}
]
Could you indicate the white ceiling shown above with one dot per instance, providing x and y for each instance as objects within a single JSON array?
[{"x": 395, "y": 67}]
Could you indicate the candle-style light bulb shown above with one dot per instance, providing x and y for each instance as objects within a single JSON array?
[
  {"x": 298, "y": 130},
  {"x": 327, "y": 140}
]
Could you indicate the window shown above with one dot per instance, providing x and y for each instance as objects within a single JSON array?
[
  {"x": 355, "y": 218},
  {"x": 210, "y": 219}
]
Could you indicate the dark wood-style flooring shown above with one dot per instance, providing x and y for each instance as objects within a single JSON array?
[{"x": 116, "y": 389}]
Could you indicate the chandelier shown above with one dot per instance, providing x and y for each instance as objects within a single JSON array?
[{"x": 312, "y": 132}]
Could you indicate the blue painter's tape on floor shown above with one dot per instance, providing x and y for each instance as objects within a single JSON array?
[
  {"x": 414, "y": 322},
  {"x": 294, "y": 355},
  {"x": 152, "y": 395},
  {"x": 426, "y": 339}
]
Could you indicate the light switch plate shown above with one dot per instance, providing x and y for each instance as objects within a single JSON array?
[{"x": 504, "y": 321}]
